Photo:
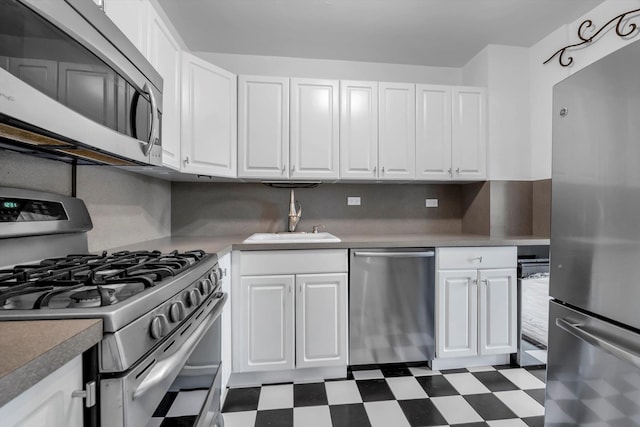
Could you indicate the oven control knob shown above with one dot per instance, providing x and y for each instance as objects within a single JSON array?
[
  {"x": 158, "y": 327},
  {"x": 206, "y": 287},
  {"x": 195, "y": 297},
  {"x": 213, "y": 276},
  {"x": 176, "y": 311}
]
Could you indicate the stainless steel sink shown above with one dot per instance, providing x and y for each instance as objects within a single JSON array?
[{"x": 299, "y": 237}]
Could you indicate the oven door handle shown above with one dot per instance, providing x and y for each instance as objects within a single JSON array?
[{"x": 166, "y": 367}]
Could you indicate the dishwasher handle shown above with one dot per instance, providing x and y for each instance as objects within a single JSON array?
[{"x": 417, "y": 254}]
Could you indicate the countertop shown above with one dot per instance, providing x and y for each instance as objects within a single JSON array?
[
  {"x": 33, "y": 349},
  {"x": 224, "y": 244}
]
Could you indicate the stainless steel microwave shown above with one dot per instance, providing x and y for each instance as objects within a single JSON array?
[{"x": 73, "y": 87}]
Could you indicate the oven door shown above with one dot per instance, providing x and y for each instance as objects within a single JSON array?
[{"x": 188, "y": 359}]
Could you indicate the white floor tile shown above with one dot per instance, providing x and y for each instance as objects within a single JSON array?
[
  {"x": 342, "y": 392},
  {"x": 466, "y": 383},
  {"x": 368, "y": 375},
  {"x": 239, "y": 419},
  {"x": 520, "y": 403},
  {"x": 405, "y": 388},
  {"x": 276, "y": 397},
  {"x": 385, "y": 414},
  {"x": 522, "y": 378},
  {"x": 481, "y": 369},
  {"x": 187, "y": 403},
  {"x": 456, "y": 410},
  {"x": 420, "y": 371},
  {"x": 514, "y": 422},
  {"x": 312, "y": 416},
  {"x": 155, "y": 422}
]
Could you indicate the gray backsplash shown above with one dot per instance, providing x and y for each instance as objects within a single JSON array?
[{"x": 218, "y": 209}]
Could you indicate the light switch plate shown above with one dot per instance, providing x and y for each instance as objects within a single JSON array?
[
  {"x": 353, "y": 201},
  {"x": 431, "y": 203}
]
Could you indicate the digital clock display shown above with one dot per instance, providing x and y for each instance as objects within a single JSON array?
[{"x": 8, "y": 204}]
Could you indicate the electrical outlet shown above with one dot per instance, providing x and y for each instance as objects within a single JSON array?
[
  {"x": 353, "y": 201},
  {"x": 431, "y": 203}
]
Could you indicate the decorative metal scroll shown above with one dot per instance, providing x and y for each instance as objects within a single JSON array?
[{"x": 623, "y": 28}]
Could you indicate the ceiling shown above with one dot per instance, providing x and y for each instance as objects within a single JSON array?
[{"x": 420, "y": 32}]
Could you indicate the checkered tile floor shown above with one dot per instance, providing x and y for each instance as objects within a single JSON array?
[{"x": 398, "y": 396}]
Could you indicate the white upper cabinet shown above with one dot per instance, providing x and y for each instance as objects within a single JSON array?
[
  {"x": 469, "y": 134},
  {"x": 359, "y": 130},
  {"x": 163, "y": 51},
  {"x": 209, "y": 144},
  {"x": 131, "y": 18},
  {"x": 397, "y": 131},
  {"x": 263, "y": 127},
  {"x": 433, "y": 132},
  {"x": 314, "y": 152}
]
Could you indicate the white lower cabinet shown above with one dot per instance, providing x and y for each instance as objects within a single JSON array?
[
  {"x": 291, "y": 321},
  {"x": 49, "y": 402},
  {"x": 476, "y": 304}
]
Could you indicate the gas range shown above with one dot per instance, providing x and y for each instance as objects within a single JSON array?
[{"x": 161, "y": 311}]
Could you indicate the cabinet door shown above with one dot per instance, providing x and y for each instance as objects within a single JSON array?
[
  {"x": 433, "y": 132},
  {"x": 469, "y": 134},
  {"x": 208, "y": 118},
  {"x": 498, "y": 311},
  {"x": 163, "y": 52},
  {"x": 131, "y": 18},
  {"x": 268, "y": 331},
  {"x": 359, "y": 130},
  {"x": 321, "y": 320},
  {"x": 49, "y": 402},
  {"x": 263, "y": 127},
  {"x": 397, "y": 126},
  {"x": 457, "y": 313},
  {"x": 314, "y": 129}
]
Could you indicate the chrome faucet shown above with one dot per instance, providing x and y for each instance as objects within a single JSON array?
[{"x": 295, "y": 212}]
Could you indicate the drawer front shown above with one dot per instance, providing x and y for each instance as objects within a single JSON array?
[
  {"x": 254, "y": 263},
  {"x": 477, "y": 257}
]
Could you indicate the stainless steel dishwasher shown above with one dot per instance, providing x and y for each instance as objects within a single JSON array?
[{"x": 391, "y": 305}]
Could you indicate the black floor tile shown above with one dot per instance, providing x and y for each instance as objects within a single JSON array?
[
  {"x": 436, "y": 386},
  {"x": 538, "y": 394},
  {"x": 353, "y": 415},
  {"x": 241, "y": 399},
  {"x": 395, "y": 371},
  {"x": 489, "y": 407},
  {"x": 374, "y": 390},
  {"x": 165, "y": 404},
  {"x": 312, "y": 394},
  {"x": 454, "y": 371},
  {"x": 187, "y": 421},
  {"x": 539, "y": 373},
  {"x": 495, "y": 381},
  {"x": 275, "y": 417},
  {"x": 534, "y": 421},
  {"x": 421, "y": 413}
]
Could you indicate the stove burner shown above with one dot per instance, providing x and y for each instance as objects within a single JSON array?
[{"x": 93, "y": 297}]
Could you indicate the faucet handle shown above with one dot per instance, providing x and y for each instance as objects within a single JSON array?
[
  {"x": 298, "y": 209},
  {"x": 317, "y": 227}
]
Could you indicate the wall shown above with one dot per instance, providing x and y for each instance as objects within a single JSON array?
[
  {"x": 332, "y": 69},
  {"x": 124, "y": 207},
  {"x": 504, "y": 70},
  {"x": 543, "y": 77},
  {"x": 220, "y": 209}
]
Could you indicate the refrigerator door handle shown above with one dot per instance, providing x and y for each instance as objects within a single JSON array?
[{"x": 612, "y": 348}]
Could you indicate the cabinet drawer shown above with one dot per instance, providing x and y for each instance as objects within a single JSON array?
[
  {"x": 477, "y": 257},
  {"x": 293, "y": 262}
]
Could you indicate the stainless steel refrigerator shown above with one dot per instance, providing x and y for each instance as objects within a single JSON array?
[{"x": 593, "y": 376}]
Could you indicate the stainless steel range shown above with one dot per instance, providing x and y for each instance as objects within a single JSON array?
[{"x": 160, "y": 311}]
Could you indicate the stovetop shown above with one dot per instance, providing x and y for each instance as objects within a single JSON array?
[
  {"x": 117, "y": 287},
  {"x": 88, "y": 281}
]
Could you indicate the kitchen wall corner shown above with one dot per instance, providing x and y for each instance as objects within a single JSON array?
[
  {"x": 476, "y": 208},
  {"x": 125, "y": 207},
  {"x": 511, "y": 208}
]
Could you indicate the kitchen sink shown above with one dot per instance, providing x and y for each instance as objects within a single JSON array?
[{"x": 285, "y": 237}]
